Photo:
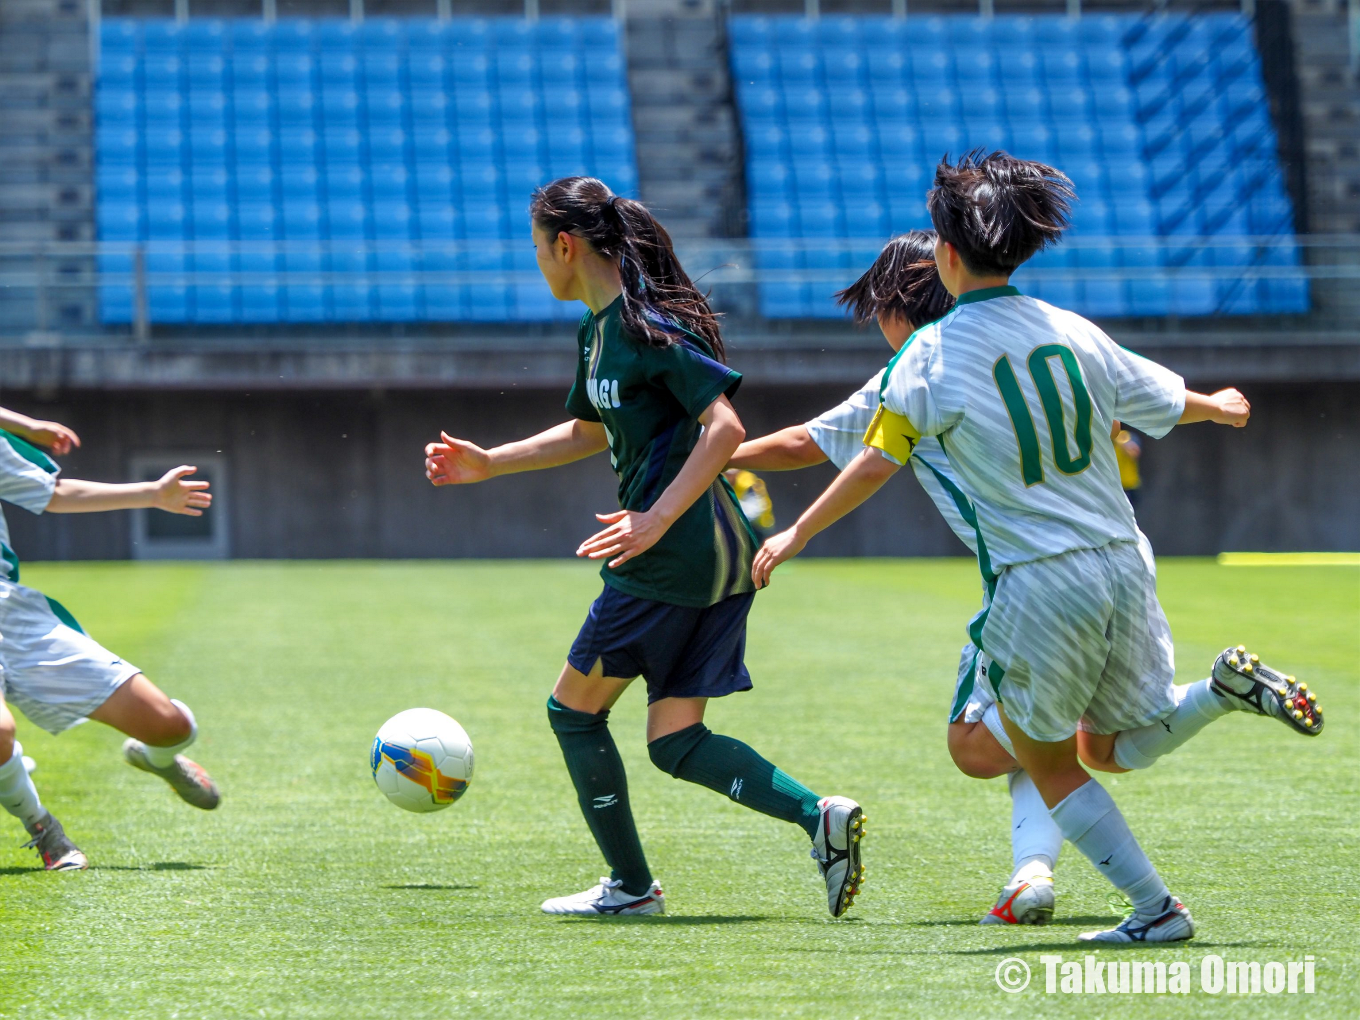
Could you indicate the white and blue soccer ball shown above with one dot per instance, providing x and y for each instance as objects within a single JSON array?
[{"x": 422, "y": 760}]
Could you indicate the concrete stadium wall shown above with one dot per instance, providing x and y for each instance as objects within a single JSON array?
[{"x": 329, "y": 474}]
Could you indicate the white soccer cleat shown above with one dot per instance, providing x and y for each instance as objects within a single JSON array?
[
  {"x": 835, "y": 848},
  {"x": 609, "y": 898},
  {"x": 1026, "y": 899},
  {"x": 1246, "y": 683},
  {"x": 1174, "y": 924}
]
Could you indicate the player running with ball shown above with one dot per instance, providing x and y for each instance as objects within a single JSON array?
[
  {"x": 1074, "y": 645},
  {"x": 651, "y": 388},
  {"x": 51, "y": 670}
]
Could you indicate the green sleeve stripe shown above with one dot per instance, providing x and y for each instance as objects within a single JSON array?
[
  {"x": 30, "y": 452},
  {"x": 63, "y": 614},
  {"x": 892, "y": 363},
  {"x": 11, "y": 563}
]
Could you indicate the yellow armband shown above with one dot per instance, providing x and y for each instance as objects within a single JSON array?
[{"x": 893, "y": 434}]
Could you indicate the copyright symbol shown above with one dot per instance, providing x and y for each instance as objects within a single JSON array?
[{"x": 1012, "y": 975}]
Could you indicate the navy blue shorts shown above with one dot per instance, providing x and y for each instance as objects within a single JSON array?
[{"x": 682, "y": 652}]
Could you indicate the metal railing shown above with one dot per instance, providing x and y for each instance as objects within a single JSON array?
[{"x": 133, "y": 281}]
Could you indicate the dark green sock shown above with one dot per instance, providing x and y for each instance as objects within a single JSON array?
[
  {"x": 698, "y": 755},
  {"x": 602, "y": 789}
]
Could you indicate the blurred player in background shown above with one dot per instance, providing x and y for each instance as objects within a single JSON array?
[
  {"x": 1128, "y": 452},
  {"x": 651, "y": 387},
  {"x": 51, "y": 670},
  {"x": 1075, "y": 648},
  {"x": 753, "y": 498}
]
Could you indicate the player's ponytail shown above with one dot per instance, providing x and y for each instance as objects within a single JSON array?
[{"x": 658, "y": 294}]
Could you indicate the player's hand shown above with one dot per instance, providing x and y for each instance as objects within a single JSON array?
[
  {"x": 52, "y": 435},
  {"x": 777, "y": 548},
  {"x": 630, "y": 533},
  {"x": 456, "y": 462},
  {"x": 1231, "y": 408},
  {"x": 177, "y": 496}
]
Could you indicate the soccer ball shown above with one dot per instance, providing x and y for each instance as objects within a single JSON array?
[{"x": 422, "y": 760}]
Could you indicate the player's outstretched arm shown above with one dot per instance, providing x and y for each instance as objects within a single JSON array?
[
  {"x": 865, "y": 476},
  {"x": 632, "y": 532},
  {"x": 1226, "y": 407},
  {"x": 785, "y": 450},
  {"x": 172, "y": 492},
  {"x": 458, "y": 462},
  {"x": 50, "y": 435}
]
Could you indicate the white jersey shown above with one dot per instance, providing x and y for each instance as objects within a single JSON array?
[
  {"x": 28, "y": 478},
  {"x": 839, "y": 433},
  {"x": 1022, "y": 396}
]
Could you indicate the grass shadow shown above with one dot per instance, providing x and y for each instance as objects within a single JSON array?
[
  {"x": 972, "y": 922},
  {"x": 669, "y": 919},
  {"x": 157, "y": 866},
  {"x": 432, "y": 886}
]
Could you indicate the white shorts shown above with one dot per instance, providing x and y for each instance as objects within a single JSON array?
[
  {"x": 1079, "y": 640},
  {"x": 972, "y": 695},
  {"x": 50, "y": 669}
]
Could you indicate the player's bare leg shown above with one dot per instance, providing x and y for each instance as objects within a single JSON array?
[
  {"x": 977, "y": 753},
  {"x": 158, "y": 729}
]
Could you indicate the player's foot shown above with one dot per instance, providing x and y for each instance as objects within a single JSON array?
[
  {"x": 1247, "y": 683},
  {"x": 835, "y": 848},
  {"x": 55, "y": 848},
  {"x": 609, "y": 898},
  {"x": 1026, "y": 899},
  {"x": 187, "y": 778},
  {"x": 1174, "y": 924}
]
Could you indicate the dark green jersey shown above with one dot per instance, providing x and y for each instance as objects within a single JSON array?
[{"x": 649, "y": 400}]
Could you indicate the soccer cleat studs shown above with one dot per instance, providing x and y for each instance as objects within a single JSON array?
[{"x": 1250, "y": 684}]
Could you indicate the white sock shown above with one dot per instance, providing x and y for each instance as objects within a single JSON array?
[
  {"x": 164, "y": 757},
  {"x": 1196, "y": 707},
  {"x": 992, "y": 720},
  {"x": 1035, "y": 837},
  {"x": 1093, "y": 824},
  {"x": 18, "y": 795}
]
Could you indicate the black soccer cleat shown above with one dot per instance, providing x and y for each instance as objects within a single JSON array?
[{"x": 1249, "y": 684}]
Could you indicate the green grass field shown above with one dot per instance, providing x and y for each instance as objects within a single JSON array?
[{"x": 308, "y": 895}]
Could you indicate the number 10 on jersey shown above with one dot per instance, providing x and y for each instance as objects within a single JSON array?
[{"x": 1041, "y": 371}]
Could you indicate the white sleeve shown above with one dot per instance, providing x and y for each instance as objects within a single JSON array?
[
  {"x": 28, "y": 476},
  {"x": 839, "y": 432},
  {"x": 913, "y": 377},
  {"x": 1147, "y": 395}
]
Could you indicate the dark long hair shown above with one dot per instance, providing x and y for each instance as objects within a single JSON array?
[
  {"x": 658, "y": 294},
  {"x": 902, "y": 281},
  {"x": 998, "y": 210}
]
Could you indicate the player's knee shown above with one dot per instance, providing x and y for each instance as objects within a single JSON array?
[
  {"x": 970, "y": 755},
  {"x": 6, "y": 736},
  {"x": 172, "y": 724},
  {"x": 669, "y": 751}
]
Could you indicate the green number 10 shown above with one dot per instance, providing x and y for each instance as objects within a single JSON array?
[{"x": 1023, "y": 422}]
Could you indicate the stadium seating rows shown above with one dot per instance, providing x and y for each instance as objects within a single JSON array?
[
  {"x": 344, "y": 156},
  {"x": 1161, "y": 123}
]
